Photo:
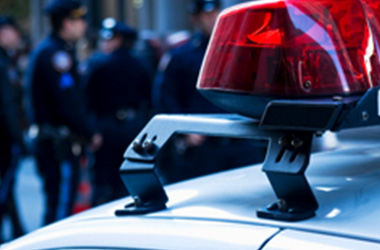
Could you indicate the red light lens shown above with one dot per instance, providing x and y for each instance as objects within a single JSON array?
[{"x": 295, "y": 48}]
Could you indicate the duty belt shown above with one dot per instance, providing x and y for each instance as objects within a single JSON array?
[
  {"x": 62, "y": 137},
  {"x": 49, "y": 131}
]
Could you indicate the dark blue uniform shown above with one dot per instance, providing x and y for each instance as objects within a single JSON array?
[
  {"x": 59, "y": 111},
  {"x": 10, "y": 125},
  {"x": 57, "y": 98},
  {"x": 118, "y": 92},
  {"x": 175, "y": 92},
  {"x": 174, "y": 88},
  {"x": 11, "y": 140}
]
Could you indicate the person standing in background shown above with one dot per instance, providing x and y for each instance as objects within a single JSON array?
[
  {"x": 12, "y": 145},
  {"x": 118, "y": 91},
  {"x": 58, "y": 108},
  {"x": 174, "y": 91},
  {"x": 174, "y": 85}
]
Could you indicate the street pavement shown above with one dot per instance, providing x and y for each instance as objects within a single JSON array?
[{"x": 29, "y": 197}]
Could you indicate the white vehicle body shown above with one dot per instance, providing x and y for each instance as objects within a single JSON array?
[{"x": 218, "y": 211}]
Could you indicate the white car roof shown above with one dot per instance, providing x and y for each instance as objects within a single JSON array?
[{"x": 345, "y": 182}]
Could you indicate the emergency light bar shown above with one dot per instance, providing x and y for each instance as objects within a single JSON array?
[
  {"x": 300, "y": 66},
  {"x": 291, "y": 49}
]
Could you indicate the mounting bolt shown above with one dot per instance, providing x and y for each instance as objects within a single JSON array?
[
  {"x": 283, "y": 141},
  {"x": 365, "y": 116},
  {"x": 319, "y": 133},
  {"x": 149, "y": 146},
  {"x": 137, "y": 147},
  {"x": 307, "y": 84},
  {"x": 337, "y": 98},
  {"x": 297, "y": 142},
  {"x": 137, "y": 200},
  {"x": 282, "y": 205},
  {"x": 291, "y": 210}
]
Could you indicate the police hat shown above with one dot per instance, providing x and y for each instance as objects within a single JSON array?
[
  {"x": 66, "y": 8},
  {"x": 197, "y": 6},
  {"x": 111, "y": 27},
  {"x": 8, "y": 21}
]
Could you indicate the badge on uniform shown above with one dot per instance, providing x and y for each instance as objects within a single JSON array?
[
  {"x": 66, "y": 81},
  {"x": 62, "y": 61}
]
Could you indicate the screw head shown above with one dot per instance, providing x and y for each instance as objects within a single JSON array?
[
  {"x": 137, "y": 200},
  {"x": 282, "y": 205},
  {"x": 136, "y": 146},
  {"x": 337, "y": 98},
  {"x": 283, "y": 141},
  {"x": 365, "y": 116},
  {"x": 307, "y": 84},
  {"x": 297, "y": 142},
  {"x": 319, "y": 133},
  {"x": 149, "y": 146}
]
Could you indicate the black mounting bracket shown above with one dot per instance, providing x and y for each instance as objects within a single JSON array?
[
  {"x": 287, "y": 125},
  {"x": 138, "y": 170},
  {"x": 286, "y": 161},
  {"x": 322, "y": 114},
  {"x": 285, "y": 165}
]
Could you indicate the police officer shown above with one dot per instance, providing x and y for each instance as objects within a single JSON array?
[
  {"x": 118, "y": 91},
  {"x": 175, "y": 91},
  {"x": 174, "y": 87},
  {"x": 58, "y": 108},
  {"x": 10, "y": 125}
]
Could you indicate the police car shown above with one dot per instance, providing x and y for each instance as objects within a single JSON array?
[{"x": 304, "y": 76}]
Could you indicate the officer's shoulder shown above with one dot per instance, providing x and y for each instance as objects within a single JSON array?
[
  {"x": 47, "y": 46},
  {"x": 97, "y": 60},
  {"x": 49, "y": 54},
  {"x": 43, "y": 51},
  {"x": 182, "y": 49},
  {"x": 175, "y": 55}
]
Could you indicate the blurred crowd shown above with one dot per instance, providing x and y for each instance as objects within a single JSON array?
[{"x": 77, "y": 117}]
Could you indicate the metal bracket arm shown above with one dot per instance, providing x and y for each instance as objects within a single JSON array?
[
  {"x": 286, "y": 161},
  {"x": 285, "y": 165},
  {"x": 138, "y": 170}
]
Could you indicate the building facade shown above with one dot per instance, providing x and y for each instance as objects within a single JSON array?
[{"x": 160, "y": 17}]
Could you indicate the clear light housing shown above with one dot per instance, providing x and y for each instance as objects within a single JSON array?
[{"x": 291, "y": 49}]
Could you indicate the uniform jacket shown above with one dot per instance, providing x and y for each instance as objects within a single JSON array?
[
  {"x": 10, "y": 127},
  {"x": 175, "y": 83},
  {"x": 54, "y": 89},
  {"x": 117, "y": 81}
]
